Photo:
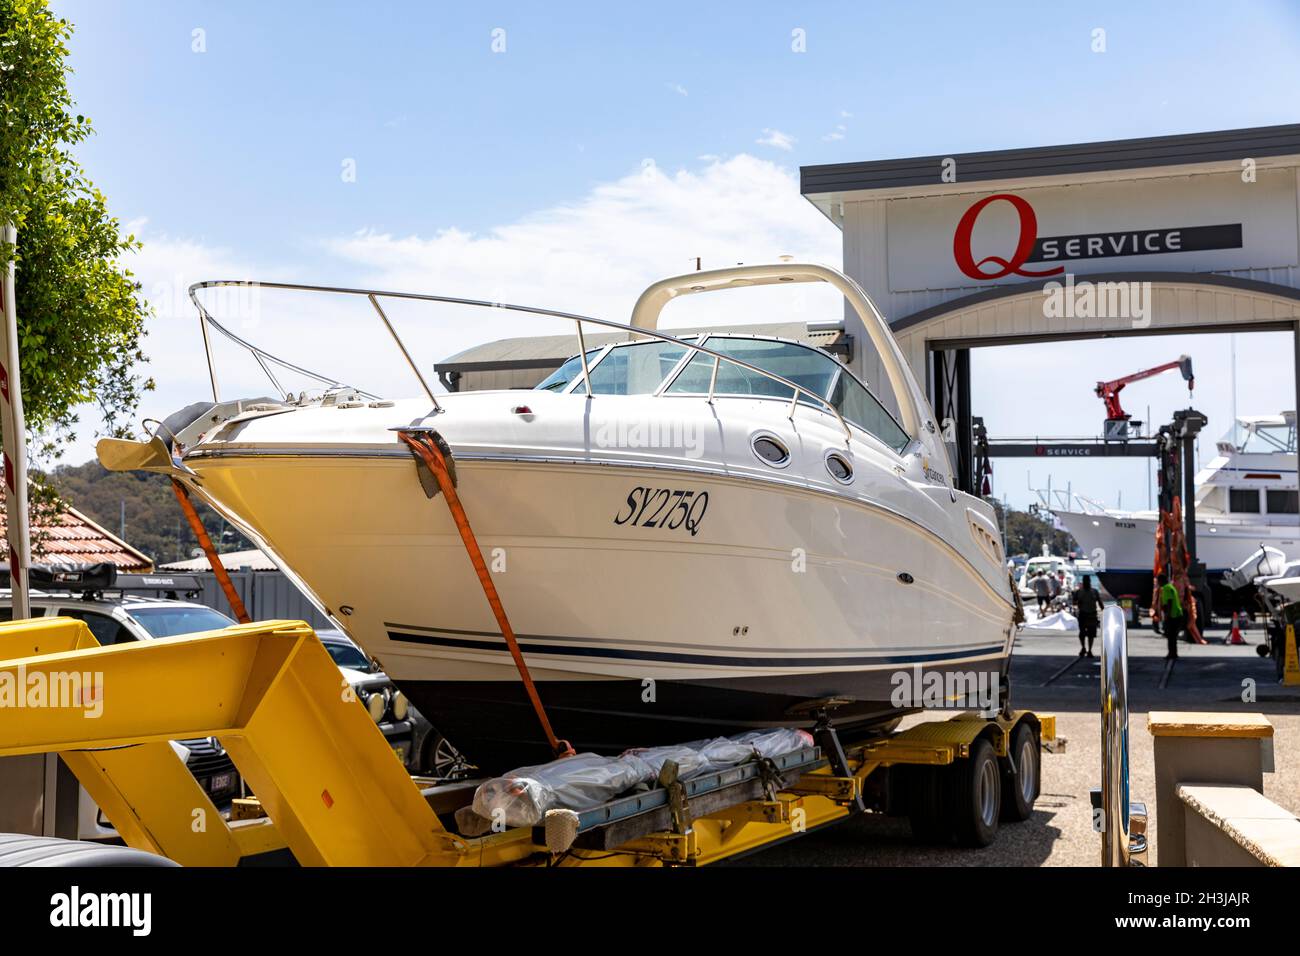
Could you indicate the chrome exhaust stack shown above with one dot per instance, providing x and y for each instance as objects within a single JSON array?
[{"x": 1121, "y": 820}]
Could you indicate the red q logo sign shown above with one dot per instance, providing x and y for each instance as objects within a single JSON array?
[{"x": 961, "y": 239}]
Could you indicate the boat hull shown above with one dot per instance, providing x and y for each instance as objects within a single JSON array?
[
  {"x": 1122, "y": 548},
  {"x": 499, "y": 729},
  {"x": 768, "y": 595}
]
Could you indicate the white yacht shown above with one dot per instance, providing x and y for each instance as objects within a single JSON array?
[
  {"x": 689, "y": 536},
  {"x": 1048, "y": 564},
  {"x": 1286, "y": 584},
  {"x": 1246, "y": 499}
]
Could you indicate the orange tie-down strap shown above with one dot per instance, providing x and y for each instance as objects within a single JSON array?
[
  {"x": 425, "y": 445},
  {"x": 205, "y": 542}
]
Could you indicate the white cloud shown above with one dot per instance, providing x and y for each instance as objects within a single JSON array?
[
  {"x": 678, "y": 88},
  {"x": 595, "y": 255},
  {"x": 776, "y": 139}
]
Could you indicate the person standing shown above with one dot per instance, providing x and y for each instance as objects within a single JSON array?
[
  {"x": 1042, "y": 591},
  {"x": 1053, "y": 587},
  {"x": 1087, "y": 608},
  {"x": 1171, "y": 613}
]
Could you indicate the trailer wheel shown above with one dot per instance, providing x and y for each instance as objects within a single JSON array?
[
  {"x": 976, "y": 796},
  {"x": 1020, "y": 788}
]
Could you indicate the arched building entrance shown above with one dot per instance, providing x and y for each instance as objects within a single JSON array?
[
  {"x": 938, "y": 340},
  {"x": 1166, "y": 235}
]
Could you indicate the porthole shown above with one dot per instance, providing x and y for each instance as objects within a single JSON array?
[
  {"x": 840, "y": 468},
  {"x": 770, "y": 451}
]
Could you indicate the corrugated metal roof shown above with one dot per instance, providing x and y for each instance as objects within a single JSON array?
[
  {"x": 1108, "y": 156},
  {"x": 252, "y": 559},
  {"x": 74, "y": 538}
]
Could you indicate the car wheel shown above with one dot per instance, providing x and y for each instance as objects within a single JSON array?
[{"x": 443, "y": 761}]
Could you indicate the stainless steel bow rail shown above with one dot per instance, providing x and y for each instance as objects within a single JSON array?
[
  {"x": 1123, "y": 820},
  {"x": 266, "y": 360}
]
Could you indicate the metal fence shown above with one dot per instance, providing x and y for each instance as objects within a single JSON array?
[{"x": 268, "y": 596}]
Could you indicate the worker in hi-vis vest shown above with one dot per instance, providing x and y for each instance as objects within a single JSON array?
[{"x": 1171, "y": 611}]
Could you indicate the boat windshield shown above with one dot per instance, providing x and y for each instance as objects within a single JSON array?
[
  {"x": 1264, "y": 437},
  {"x": 810, "y": 368},
  {"x": 641, "y": 368},
  {"x": 636, "y": 368},
  {"x": 566, "y": 373}
]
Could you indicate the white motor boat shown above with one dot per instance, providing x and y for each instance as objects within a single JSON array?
[
  {"x": 1246, "y": 499},
  {"x": 1287, "y": 588},
  {"x": 1285, "y": 583},
  {"x": 1048, "y": 564},
  {"x": 690, "y": 537}
]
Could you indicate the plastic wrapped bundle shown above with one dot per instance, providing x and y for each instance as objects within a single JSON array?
[
  {"x": 587, "y": 780},
  {"x": 723, "y": 752},
  {"x": 579, "y": 782},
  {"x": 690, "y": 760}
]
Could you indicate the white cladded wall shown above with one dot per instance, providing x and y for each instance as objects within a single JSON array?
[{"x": 900, "y": 245}]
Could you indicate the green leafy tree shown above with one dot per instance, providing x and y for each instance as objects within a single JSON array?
[{"x": 80, "y": 313}]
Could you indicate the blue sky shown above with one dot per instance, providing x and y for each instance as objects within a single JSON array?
[{"x": 608, "y": 143}]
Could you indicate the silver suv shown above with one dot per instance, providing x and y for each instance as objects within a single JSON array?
[{"x": 133, "y": 618}]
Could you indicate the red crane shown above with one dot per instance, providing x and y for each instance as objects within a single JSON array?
[{"x": 1117, "y": 419}]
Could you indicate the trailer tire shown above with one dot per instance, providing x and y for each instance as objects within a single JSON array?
[
  {"x": 925, "y": 805},
  {"x": 1020, "y": 787},
  {"x": 976, "y": 796}
]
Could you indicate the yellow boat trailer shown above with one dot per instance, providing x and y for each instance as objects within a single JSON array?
[{"x": 332, "y": 792}]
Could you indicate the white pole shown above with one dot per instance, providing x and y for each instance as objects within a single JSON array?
[
  {"x": 14, "y": 430},
  {"x": 1232, "y": 352}
]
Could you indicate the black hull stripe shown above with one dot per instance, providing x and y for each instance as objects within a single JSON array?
[
  {"x": 677, "y": 658},
  {"x": 551, "y": 638}
]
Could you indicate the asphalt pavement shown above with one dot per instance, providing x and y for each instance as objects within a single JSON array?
[{"x": 1048, "y": 676}]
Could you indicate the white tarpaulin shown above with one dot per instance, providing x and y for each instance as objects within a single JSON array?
[{"x": 1060, "y": 622}]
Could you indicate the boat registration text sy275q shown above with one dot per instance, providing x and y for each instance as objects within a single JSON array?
[{"x": 697, "y": 535}]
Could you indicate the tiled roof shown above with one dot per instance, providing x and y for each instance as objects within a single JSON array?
[
  {"x": 72, "y": 538},
  {"x": 252, "y": 559}
]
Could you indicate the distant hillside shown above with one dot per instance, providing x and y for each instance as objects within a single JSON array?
[
  {"x": 154, "y": 522},
  {"x": 1027, "y": 532}
]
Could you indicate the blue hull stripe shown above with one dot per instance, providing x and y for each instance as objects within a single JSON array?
[{"x": 705, "y": 659}]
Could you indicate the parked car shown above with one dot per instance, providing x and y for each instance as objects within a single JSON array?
[
  {"x": 401, "y": 724},
  {"x": 120, "y": 620},
  {"x": 421, "y": 748}
]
